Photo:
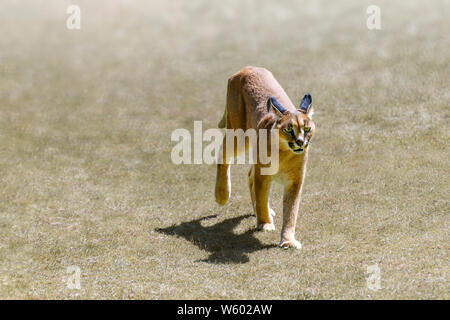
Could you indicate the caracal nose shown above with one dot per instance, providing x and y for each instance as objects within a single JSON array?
[{"x": 300, "y": 142}]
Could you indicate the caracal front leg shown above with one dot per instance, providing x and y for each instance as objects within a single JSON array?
[
  {"x": 262, "y": 187},
  {"x": 291, "y": 202}
]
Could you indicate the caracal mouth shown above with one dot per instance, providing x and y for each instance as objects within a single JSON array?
[{"x": 299, "y": 150}]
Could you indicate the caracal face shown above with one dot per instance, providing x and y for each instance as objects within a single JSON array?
[
  {"x": 296, "y": 130},
  {"x": 295, "y": 126}
]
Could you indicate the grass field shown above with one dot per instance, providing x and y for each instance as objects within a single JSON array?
[{"x": 86, "y": 177}]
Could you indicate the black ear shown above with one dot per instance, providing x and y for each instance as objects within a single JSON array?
[
  {"x": 274, "y": 104},
  {"x": 306, "y": 103}
]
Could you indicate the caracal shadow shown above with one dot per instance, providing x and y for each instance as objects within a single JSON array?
[{"x": 219, "y": 240}]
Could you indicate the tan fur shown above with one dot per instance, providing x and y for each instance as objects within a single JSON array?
[{"x": 246, "y": 107}]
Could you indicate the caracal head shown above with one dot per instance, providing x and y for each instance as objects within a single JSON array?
[{"x": 296, "y": 128}]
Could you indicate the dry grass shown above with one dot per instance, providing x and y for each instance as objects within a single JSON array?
[{"x": 86, "y": 176}]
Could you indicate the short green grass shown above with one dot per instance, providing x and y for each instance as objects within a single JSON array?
[{"x": 86, "y": 178}]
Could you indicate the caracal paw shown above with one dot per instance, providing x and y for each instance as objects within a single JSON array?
[
  {"x": 264, "y": 226},
  {"x": 285, "y": 244}
]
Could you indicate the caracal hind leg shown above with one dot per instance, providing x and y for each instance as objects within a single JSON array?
[
  {"x": 262, "y": 187},
  {"x": 272, "y": 212},
  {"x": 251, "y": 186},
  {"x": 223, "y": 178},
  {"x": 223, "y": 184}
]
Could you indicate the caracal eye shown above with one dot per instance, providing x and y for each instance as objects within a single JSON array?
[
  {"x": 288, "y": 129},
  {"x": 306, "y": 129}
]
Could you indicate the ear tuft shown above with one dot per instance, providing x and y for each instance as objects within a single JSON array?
[
  {"x": 305, "y": 105},
  {"x": 274, "y": 104}
]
